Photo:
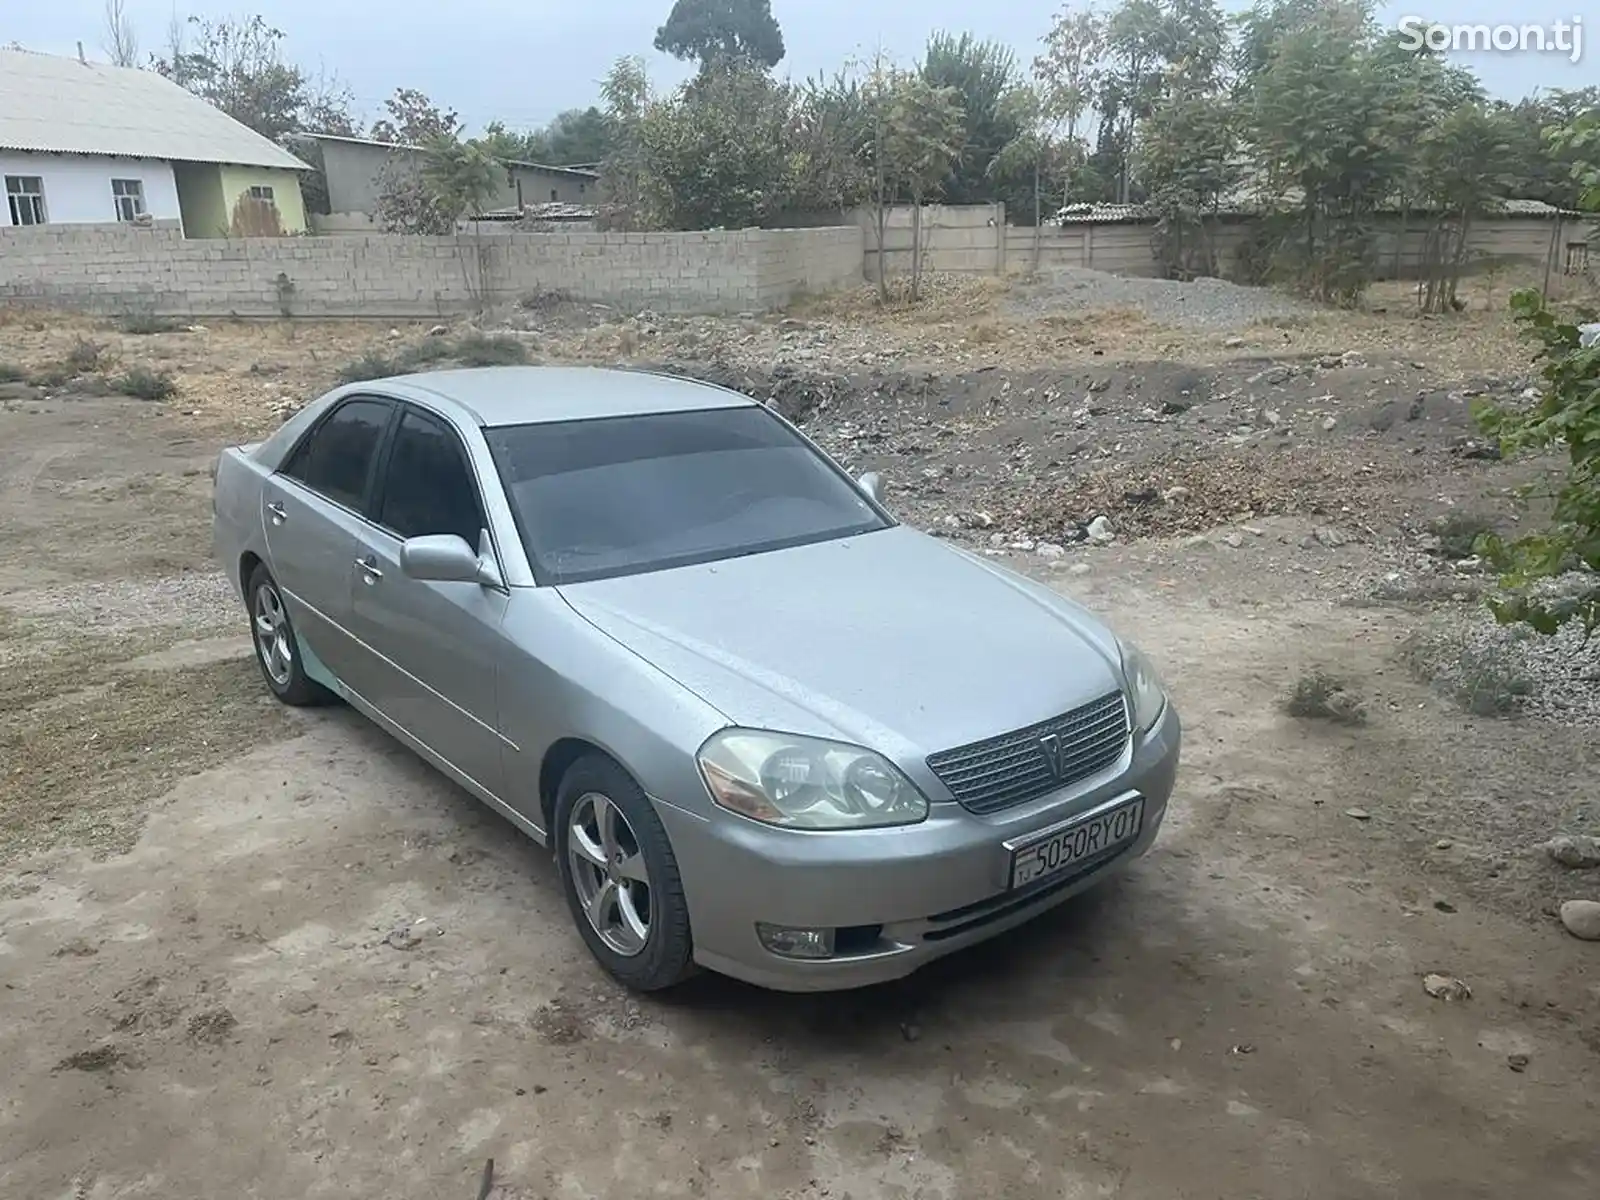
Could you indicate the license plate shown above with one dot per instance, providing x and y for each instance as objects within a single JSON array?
[{"x": 1085, "y": 839}]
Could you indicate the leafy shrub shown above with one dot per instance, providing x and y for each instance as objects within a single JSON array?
[
  {"x": 11, "y": 373},
  {"x": 142, "y": 383},
  {"x": 480, "y": 350},
  {"x": 1566, "y": 416}
]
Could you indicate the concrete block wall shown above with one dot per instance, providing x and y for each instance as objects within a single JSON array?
[
  {"x": 966, "y": 237},
  {"x": 116, "y": 268}
]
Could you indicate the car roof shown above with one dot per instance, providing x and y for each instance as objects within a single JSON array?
[{"x": 495, "y": 396}]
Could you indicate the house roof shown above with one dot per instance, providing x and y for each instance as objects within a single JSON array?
[
  {"x": 581, "y": 172},
  {"x": 64, "y": 106}
]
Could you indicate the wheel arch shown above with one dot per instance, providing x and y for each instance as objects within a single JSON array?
[{"x": 558, "y": 760}]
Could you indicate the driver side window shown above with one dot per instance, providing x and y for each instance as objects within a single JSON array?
[{"x": 428, "y": 487}]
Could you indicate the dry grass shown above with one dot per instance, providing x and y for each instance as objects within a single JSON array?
[{"x": 87, "y": 747}]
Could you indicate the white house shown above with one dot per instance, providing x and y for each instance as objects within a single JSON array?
[{"x": 85, "y": 142}]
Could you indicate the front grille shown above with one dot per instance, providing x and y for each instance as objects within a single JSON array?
[{"x": 1013, "y": 768}]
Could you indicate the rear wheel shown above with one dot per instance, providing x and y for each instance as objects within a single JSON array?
[
  {"x": 277, "y": 651},
  {"x": 620, "y": 876}
]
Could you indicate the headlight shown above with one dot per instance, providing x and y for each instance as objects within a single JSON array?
[
  {"x": 1144, "y": 687},
  {"x": 806, "y": 783}
]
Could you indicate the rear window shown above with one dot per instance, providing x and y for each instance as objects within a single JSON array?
[{"x": 622, "y": 495}]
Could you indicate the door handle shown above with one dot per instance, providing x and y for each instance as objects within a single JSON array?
[
  {"x": 369, "y": 568},
  {"x": 276, "y": 510}
]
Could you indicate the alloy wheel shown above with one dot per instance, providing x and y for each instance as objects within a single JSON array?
[
  {"x": 609, "y": 874},
  {"x": 273, "y": 640}
]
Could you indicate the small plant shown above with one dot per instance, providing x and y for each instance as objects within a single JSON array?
[
  {"x": 53, "y": 375},
  {"x": 371, "y": 365},
  {"x": 1484, "y": 680},
  {"x": 481, "y": 350},
  {"x": 11, "y": 373},
  {"x": 1318, "y": 696},
  {"x": 424, "y": 353},
  {"x": 142, "y": 324},
  {"x": 85, "y": 356},
  {"x": 1458, "y": 533},
  {"x": 142, "y": 383}
]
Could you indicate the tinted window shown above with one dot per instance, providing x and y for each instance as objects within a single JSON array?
[
  {"x": 427, "y": 488},
  {"x": 336, "y": 459},
  {"x": 628, "y": 494}
]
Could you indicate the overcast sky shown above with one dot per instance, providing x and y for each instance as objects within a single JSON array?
[{"x": 522, "y": 61}]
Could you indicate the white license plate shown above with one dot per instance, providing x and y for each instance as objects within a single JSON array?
[{"x": 1086, "y": 839}]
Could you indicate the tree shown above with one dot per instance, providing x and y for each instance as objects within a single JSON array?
[
  {"x": 982, "y": 74},
  {"x": 914, "y": 136},
  {"x": 717, "y": 154},
  {"x": 1324, "y": 130},
  {"x": 722, "y": 31},
  {"x": 628, "y": 100},
  {"x": 1188, "y": 162},
  {"x": 237, "y": 65},
  {"x": 576, "y": 135},
  {"x": 119, "y": 40},
  {"x": 1463, "y": 165},
  {"x": 1033, "y": 149},
  {"x": 1067, "y": 75},
  {"x": 829, "y": 127},
  {"x": 414, "y": 120}
]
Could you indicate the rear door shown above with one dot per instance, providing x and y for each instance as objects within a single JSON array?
[
  {"x": 434, "y": 647},
  {"x": 311, "y": 510}
]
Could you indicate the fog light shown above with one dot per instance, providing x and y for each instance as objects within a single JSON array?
[{"x": 796, "y": 943}]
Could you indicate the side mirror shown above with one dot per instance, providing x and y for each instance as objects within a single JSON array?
[
  {"x": 442, "y": 558},
  {"x": 872, "y": 484}
]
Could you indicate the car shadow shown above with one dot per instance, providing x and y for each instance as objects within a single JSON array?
[{"x": 1063, "y": 942}]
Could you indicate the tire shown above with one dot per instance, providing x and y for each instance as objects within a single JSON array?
[
  {"x": 593, "y": 791},
  {"x": 280, "y": 666}
]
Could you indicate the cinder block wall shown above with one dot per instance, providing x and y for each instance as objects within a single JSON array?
[{"x": 117, "y": 268}]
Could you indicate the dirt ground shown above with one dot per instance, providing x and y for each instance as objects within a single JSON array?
[{"x": 199, "y": 996}]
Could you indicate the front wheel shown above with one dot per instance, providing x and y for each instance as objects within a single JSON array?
[
  {"x": 277, "y": 650},
  {"x": 621, "y": 877}
]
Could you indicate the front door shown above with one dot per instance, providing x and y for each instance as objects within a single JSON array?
[
  {"x": 311, "y": 511},
  {"x": 433, "y": 649}
]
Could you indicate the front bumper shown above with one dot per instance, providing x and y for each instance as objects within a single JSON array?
[{"x": 934, "y": 887}]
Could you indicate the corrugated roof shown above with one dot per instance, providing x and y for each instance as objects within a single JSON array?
[
  {"x": 61, "y": 105},
  {"x": 1096, "y": 213}
]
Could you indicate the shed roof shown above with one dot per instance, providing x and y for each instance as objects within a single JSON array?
[
  {"x": 61, "y": 105},
  {"x": 581, "y": 172}
]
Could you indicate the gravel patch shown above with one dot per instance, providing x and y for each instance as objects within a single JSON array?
[
  {"x": 1202, "y": 304},
  {"x": 1493, "y": 669},
  {"x": 200, "y": 602}
]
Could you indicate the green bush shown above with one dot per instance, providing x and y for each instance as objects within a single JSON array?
[
  {"x": 11, "y": 373},
  {"x": 144, "y": 384},
  {"x": 1565, "y": 417}
]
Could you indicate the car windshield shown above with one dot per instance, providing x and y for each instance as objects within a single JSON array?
[{"x": 622, "y": 495}]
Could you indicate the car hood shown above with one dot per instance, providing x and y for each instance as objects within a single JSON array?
[{"x": 892, "y": 640}]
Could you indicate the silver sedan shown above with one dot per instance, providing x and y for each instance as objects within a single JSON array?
[{"x": 765, "y": 728}]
